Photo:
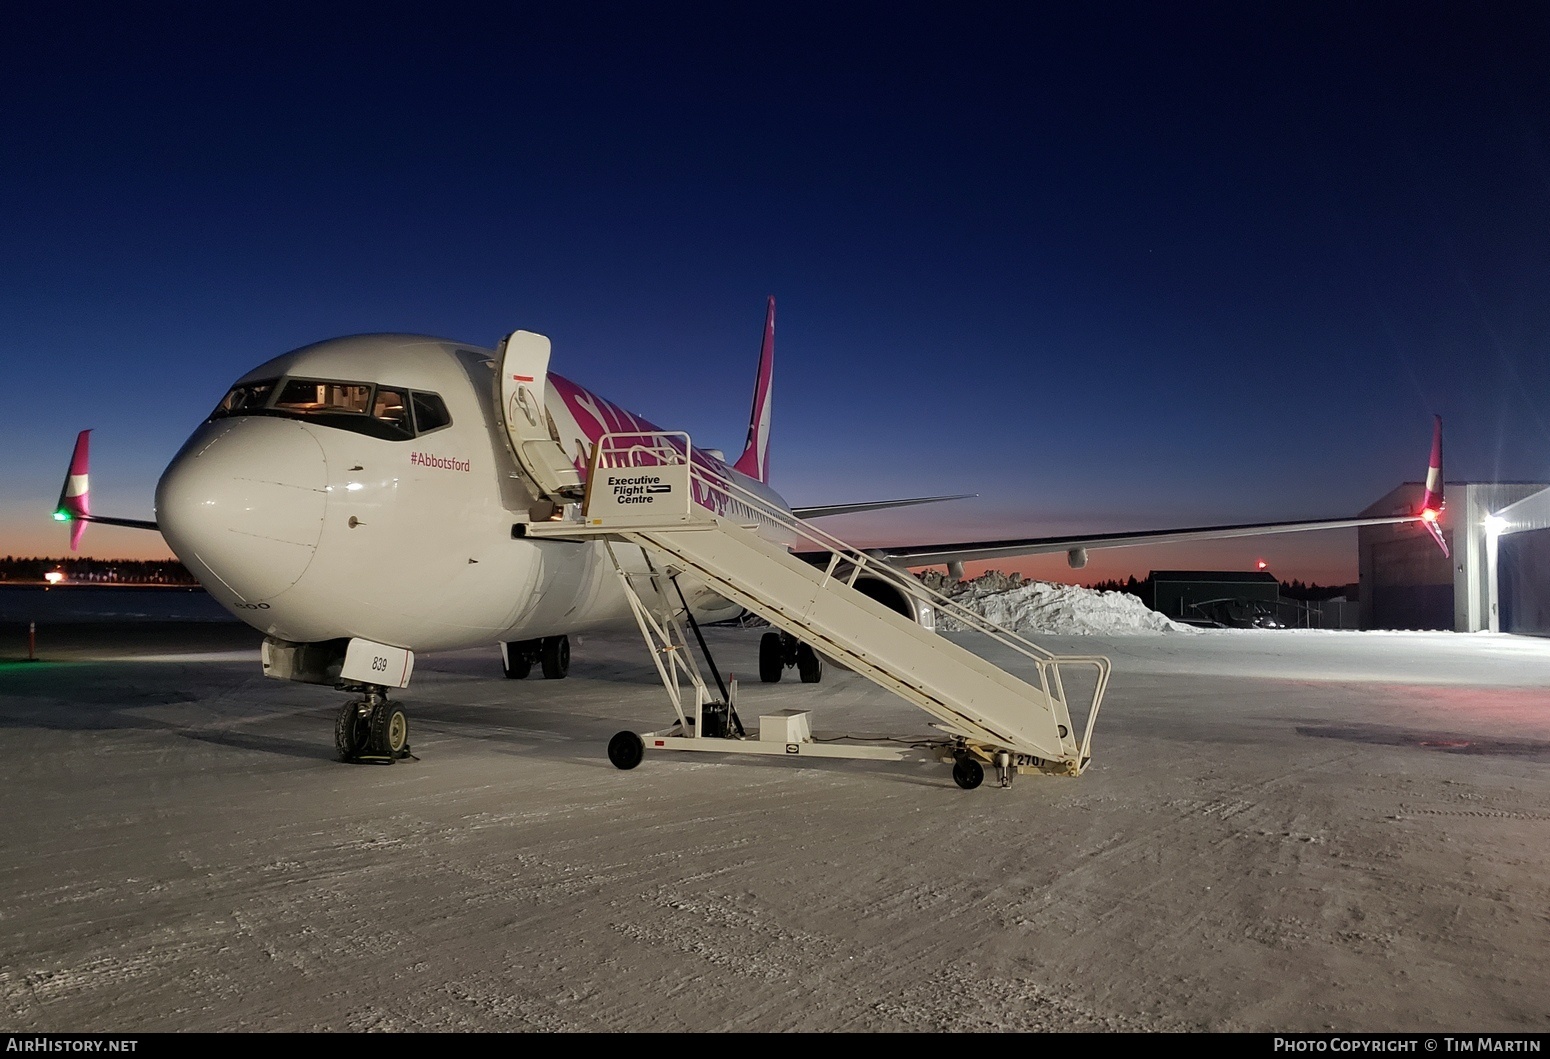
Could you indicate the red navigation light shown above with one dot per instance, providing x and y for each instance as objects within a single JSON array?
[
  {"x": 1428, "y": 515},
  {"x": 1262, "y": 564}
]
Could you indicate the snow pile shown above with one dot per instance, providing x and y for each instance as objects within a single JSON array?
[{"x": 1042, "y": 607}]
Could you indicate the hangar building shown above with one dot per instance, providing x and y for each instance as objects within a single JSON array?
[
  {"x": 1518, "y": 544},
  {"x": 1407, "y": 583}
]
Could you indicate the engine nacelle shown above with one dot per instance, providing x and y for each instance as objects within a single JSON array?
[
  {"x": 1076, "y": 558},
  {"x": 896, "y": 599}
]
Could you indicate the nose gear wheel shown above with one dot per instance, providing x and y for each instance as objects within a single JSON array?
[{"x": 372, "y": 729}]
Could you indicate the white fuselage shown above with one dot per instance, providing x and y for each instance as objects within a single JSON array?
[{"x": 309, "y": 527}]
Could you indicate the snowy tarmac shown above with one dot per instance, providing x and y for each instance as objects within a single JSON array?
[{"x": 1279, "y": 831}]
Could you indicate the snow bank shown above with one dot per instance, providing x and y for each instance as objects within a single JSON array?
[{"x": 1043, "y": 607}]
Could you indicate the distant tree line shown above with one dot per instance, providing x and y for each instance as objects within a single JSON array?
[
  {"x": 97, "y": 571},
  {"x": 1142, "y": 589},
  {"x": 1311, "y": 593}
]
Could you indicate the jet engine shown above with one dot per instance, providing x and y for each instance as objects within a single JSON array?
[{"x": 896, "y": 599}]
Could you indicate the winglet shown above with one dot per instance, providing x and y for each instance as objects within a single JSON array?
[
  {"x": 1433, "y": 503},
  {"x": 755, "y": 460},
  {"x": 74, "y": 504}
]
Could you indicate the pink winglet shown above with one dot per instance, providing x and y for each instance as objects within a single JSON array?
[
  {"x": 73, "y": 499},
  {"x": 755, "y": 460},
  {"x": 1432, "y": 503},
  {"x": 74, "y": 496},
  {"x": 1433, "y": 500}
]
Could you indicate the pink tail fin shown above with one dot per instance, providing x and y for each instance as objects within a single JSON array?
[
  {"x": 755, "y": 460},
  {"x": 1432, "y": 502},
  {"x": 74, "y": 496}
]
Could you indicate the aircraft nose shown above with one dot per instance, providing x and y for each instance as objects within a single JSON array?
[{"x": 243, "y": 503}]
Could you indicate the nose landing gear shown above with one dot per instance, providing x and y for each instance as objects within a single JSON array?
[{"x": 372, "y": 729}]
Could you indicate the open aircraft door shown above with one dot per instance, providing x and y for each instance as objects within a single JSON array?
[{"x": 523, "y": 381}]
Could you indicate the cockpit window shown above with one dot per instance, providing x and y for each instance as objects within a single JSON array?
[
  {"x": 385, "y": 412},
  {"x": 244, "y": 399},
  {"x": 391, "y": 409},
  {"x": 429, "y": 413},
  {"x": 305, "y": 395}
]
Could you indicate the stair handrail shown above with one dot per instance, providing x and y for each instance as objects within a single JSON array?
[{"x": 803, "y": 529}]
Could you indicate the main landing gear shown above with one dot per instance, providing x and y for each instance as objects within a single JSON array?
[
  {"x": 372, "y": 729},
  {"x": 552, "y": 654},
  {"x": 780, "y": 650}
]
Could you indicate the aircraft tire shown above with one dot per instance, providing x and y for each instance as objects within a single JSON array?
[
  {"x": 516, "y": 665},
  {"x": 771, "y": 658},
  {"x": 351, "y": 731},
  {"x": 625, "y": 750},
  {"x": 809, "y": 664},
  {"x": 554, "y": 656},
  {"x": 968, "y": 774},
  {"x": 389, "y": 731}
]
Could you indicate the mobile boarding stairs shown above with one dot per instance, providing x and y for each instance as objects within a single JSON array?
[{"x": 653, "y": 491}]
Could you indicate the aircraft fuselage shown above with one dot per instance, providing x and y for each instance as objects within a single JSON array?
[{"x": 365, "y": 487}]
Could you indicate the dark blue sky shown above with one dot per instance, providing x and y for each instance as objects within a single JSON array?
[{"x": 1128, "y": 267}]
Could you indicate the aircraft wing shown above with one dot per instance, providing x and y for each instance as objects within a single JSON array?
[
  {"x": 969, "y": 551},
  {"x": 104, "y": 520},
  {"x": 823, "y": 510},
  {"x": 1076, "y": 547}
]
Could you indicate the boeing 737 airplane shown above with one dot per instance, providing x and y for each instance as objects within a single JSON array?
[{"x": 364, "y": 499}]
